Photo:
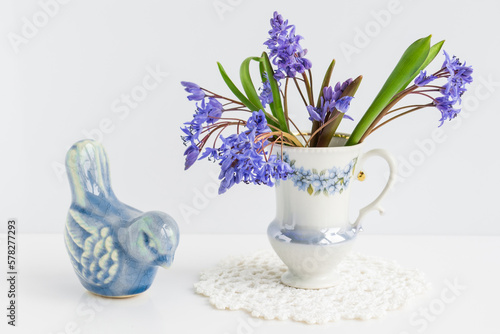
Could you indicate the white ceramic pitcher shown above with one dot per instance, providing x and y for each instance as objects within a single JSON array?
[{"x": 312, "y": 232}]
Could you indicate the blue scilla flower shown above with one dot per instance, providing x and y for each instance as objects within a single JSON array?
[
  {"x": 197, "y": 94},
  {"x": 189, "y": 136},
  {"x": 211, "y": 154},
  {"x": 207, "y": 112},
  {"x": 343, "y": 105},
  {"x": 191, "y": 154},
  {"x": 445, "y": 105},
  {"x": 266, "y": 95},
  {"x": 282, "y": 169},
  {"x": 210, "y": 111},
  {"x": 285, "y": 50},
  {"x": 315, "y": 114},
  {"x": 331, "y": 100},
  {"x": 243, "y": 158},
  {"x": 422, "y": 79},
  {"x": 339, "y": 89},
  {"x": 272, "y": 169},
  {"x": 257, "y": 123},
  {"x": 279, "y": 26},
  {"x": 458, "y": 75},
  {"x": 457, "y": 69}
]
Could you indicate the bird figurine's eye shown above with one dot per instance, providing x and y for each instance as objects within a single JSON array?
[
  {"x": 149, "y": 243},
  {"x": 145, "y": 237}
]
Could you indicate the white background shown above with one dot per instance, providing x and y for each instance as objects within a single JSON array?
[{"x": 65, "y": 80}]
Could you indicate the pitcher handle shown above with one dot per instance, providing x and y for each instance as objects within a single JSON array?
[{"x": 375, "y": 205}]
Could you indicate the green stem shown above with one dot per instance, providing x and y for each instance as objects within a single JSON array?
[
  {"x": 300, "y": 91},
  {"x": 298, "y": 130},
  {"x": 285, "y": 107},
  {"x": 311, "y": 81},
  {"x": 397, "y": 116},
  {"x": 385, "y": 111},
  {"x": 410, "y": 106},
  {"x": 308, "y": 89}
]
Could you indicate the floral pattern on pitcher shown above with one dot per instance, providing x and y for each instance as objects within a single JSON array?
[{"x": 326, "y": 182}]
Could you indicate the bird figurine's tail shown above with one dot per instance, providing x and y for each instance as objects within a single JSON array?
[{"x": 88, "y": 174}]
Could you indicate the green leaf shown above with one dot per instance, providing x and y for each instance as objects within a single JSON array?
[
  {"x": 310, "y": 190},
  {"x": 326, "y": 135},
  {"x": 326, "y": 82},
  {"x": 409, "y": 63},
  {"x": 276, "y": 106},
  {"x": 246, "y": 82},
  {"x": 433, "y": 52},
  {"x": 235, "y": 89},
  {"x": 270, "y": 118}
]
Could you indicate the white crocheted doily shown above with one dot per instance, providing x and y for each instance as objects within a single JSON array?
[{"x": 369, "y": 288}]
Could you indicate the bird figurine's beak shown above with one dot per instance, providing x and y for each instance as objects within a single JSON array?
[{"x": 167, "y": 262}]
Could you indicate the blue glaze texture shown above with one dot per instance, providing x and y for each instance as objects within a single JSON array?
[{"x": 114, "y": 248}]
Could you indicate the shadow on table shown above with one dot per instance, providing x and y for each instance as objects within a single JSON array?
[{"x": 95, "y": 315}]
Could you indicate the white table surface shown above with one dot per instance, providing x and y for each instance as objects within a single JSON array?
[{"x": 51, "y": 299}]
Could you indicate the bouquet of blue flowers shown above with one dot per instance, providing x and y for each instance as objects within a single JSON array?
[{"x": 246, "y": 154}]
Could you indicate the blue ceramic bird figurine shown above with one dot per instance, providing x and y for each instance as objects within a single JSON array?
[{"x": 114, "y": 248}]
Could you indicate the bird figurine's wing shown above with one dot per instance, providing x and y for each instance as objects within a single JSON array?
[{"x": 92, "y": 249}]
